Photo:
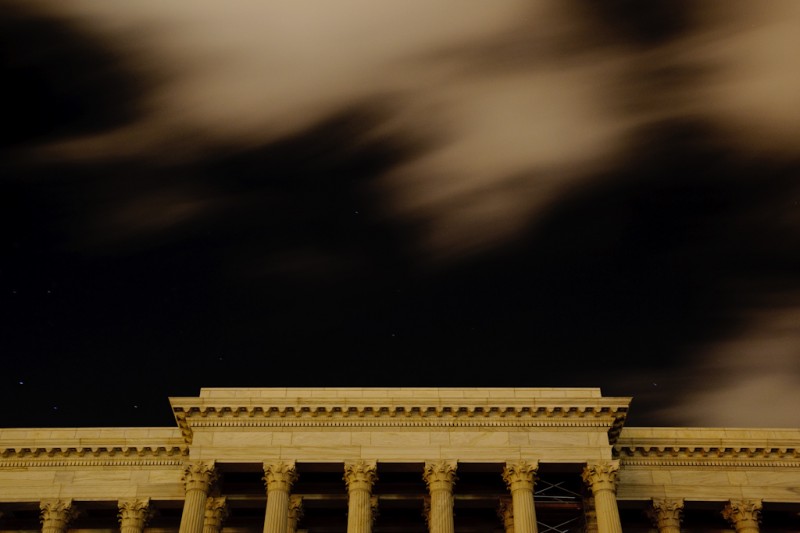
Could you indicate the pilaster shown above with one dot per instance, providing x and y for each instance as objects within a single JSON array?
[
  {"x": 295, "y": 512},
  {"x": 215, "y": 514},
  {"x": 505, "y": 512}
]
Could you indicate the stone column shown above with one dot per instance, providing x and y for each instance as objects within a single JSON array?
[
  {"x": 590, "y": 514},
  {"x": 295, "y": 512},
  {"x": 198, "y": 477},
  {"x": 360, "y": 477},
  {"x": 133, "y": 515},
  {"x": 56, "y": 515},
  {"x": 505, "y": 512},
  {"x": 440, "y": 477},
  {"x": 666, "y": 514},
  {"x": 215, "y": 514},
  {"x": 520, "y": 478},
  {"x": 602, "y": 479},
  {"x": 278, "y": 478},
  {"x": 744, "y": 515}
]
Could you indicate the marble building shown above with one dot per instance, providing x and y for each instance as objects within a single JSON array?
[{"x": 391, "y": 460}]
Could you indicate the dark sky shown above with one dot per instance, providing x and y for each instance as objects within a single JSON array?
[{"x": 448, "y": 193}]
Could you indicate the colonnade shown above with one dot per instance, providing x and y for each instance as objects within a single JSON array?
[{"x": 204, "y": 512}]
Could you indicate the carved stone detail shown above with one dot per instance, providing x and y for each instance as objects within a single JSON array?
[
  {"x": 602, "y": 476},
  {"x": 280, "y": 475},
  {"x": 134, "y": 514},
  {"x": 521, "y": 475},
  {"x": 295, "y": 512},
  {"x": 666, "y": 513},
  {"x": 360, "y": 475},
  {"x": 440, "y": 475},
  {"x": 505, "y": 512},
  {"x": 56, "y": 515},
  {"x": 295, "y": 507},
  {"x": 199, "y": 475},
  {"x": 216, "y": 512},
  {"x": 744, "y": 515}
]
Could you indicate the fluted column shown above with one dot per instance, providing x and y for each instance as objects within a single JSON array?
[
  {"x": 215, "y": 514},
  {"x": 440, "y": 478},
  {"x": 133, "y": 515},
  {"x": 666, "y": 514},
  {"x": 295, "y": 512},
  {"x": 278, "y": 478},
  {"x": 56, "y": 515},
  {"x": 198, "y": 477},
  {"x": 505, "y": 512},
  {"x": 744, "y": 515},
  {"x": 360, "y": 477},
  {"x": 602, "y": 478},
  {"x": 590, "y": 514},
  {"x": 520, "y": 478}
]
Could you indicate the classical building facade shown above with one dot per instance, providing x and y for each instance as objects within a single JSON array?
[{"x": 391, "y": 460}]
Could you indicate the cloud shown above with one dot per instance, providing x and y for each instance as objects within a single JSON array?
[{"x": 751, "y": 379}]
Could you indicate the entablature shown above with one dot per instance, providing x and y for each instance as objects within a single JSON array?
[{"x": 400, "y": 408}]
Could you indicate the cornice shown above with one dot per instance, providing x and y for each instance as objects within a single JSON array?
[
  {"x": 23, "y": 456},
  {"x": 603, "y": 412},
  {"x": 706, "y": 455}
]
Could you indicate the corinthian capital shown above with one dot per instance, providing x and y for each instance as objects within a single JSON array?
[
  {"x": 134, "y": 513},
  {"x": 56, "y": 514},
  {"x": 505, "y": 512},
  {"x": 199, "y": 475},
  {"x": 602, "y": 475},
  {"x": 666, "y": 512},
  {"x": 280, "y": 475},
  {"x": 743, "y": 514},
  {"x": 440, "y": 475},
  {"x": 295, "y": 507},
  {"x": 360, "y": 475},
  {"x": 521, "y": 475},
  {"x": 216, "y": 512}
]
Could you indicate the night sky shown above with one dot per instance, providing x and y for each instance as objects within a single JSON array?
[{"x": 449, "y": 193}]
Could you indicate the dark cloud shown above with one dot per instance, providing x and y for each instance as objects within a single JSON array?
[{"x": 60, "y": 80}]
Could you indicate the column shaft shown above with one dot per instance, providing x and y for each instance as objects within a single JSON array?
[
  {"x": 602, "y": 478},
  {"x": 360, "y": 477},
  {"x": 520, "y": 478},
  {"x": 198, "y": 478},
  {"x": 279, "y": 478},
  {"x": 440, "y": 478}
]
